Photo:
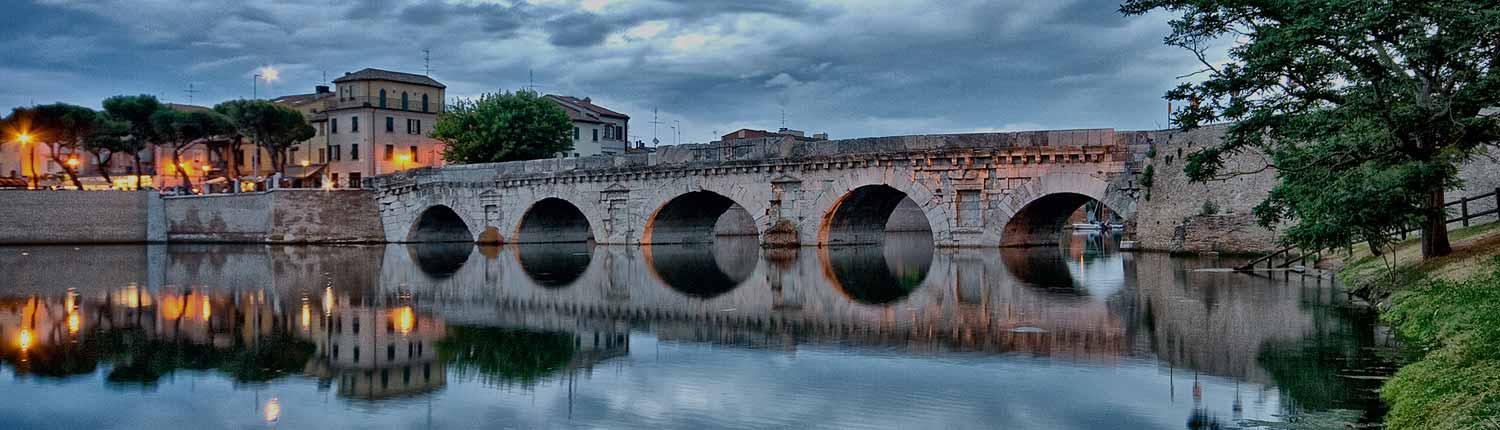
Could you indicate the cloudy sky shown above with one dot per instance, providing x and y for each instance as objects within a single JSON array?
[{"x": 848, "y": 67}]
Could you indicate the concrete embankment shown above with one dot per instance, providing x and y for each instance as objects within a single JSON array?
[{"x": 103, "y": 217}]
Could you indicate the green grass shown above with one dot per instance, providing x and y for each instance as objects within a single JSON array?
[
  {"x": 1453, "y": 329},
  {"x": 1447, "y": 311},
  {"x": 1378, "y": 277}
]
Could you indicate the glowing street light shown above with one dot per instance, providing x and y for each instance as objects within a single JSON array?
[
  {"x": 24, "y": 138},
  {"x": 73, "y": 162}
]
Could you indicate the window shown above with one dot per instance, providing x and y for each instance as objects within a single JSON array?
[
  {"x": 356, "y": 320},
  {"x": 390, "y": 352},
  {"x": 354, "y": 180},
  {"x": 575, "y": 133},
  {"x": 390, "y": 125},
  {"x": 403, "y": 101},
  {"x": 389, "y": 150},
  {"x": 354, "y": 151},
  {"x": 414, "y": 154},
  {"x": 382, "y": 97},
  {"x": 294, "y": 153},
  {"x": 356, "y": 353},
  {"x": 596, "y": 135},
  {"x": 609, "y": 131},
  {"x": 334, "y": 182},
  {"x": 354, "y": 124},
  {"x": 320, "y": 128},
  {"x": 419, "y": 126},
  {"x": 322, "y": 155},
  {"x": 337, "y": 152},
  {"x": 239, "y": 157},
  {"x": 424, "y": 102},
  {"x": 333, "y": 126}
]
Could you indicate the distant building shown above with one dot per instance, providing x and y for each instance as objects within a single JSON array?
[
  {"x": 784, "y": 133},
  {"x": 378, "y": 122},
  {"x": 596, "y": 130}
]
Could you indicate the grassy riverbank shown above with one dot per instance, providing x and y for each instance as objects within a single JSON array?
[{"x": 1447, "y": 310}]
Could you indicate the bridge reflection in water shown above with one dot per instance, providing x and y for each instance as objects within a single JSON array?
[{"x": 385, "y": 323}]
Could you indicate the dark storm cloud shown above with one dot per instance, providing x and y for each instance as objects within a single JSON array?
[
  {"x": 578, "y": 30},
  {"x": 852, "y": 68}
]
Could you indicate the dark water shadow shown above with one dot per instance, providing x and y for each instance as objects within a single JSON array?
[
  {"x": 705, "y": 270},
  {"x": 1044, "y": 269},
  {"x": 440, "y": 260},
  {"x": 882, "y": 273},
  {"x": 555, "y": 265}
]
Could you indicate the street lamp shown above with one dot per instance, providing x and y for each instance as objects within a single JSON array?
[{"x": 25, "y": 139}]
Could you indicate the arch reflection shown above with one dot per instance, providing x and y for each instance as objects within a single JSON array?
[
  {"x": 555, "y": 265},
  {"x": 706, "y": 270},
  {"x": 440, "y": 260},
  {"x": 880, "y": 274}
]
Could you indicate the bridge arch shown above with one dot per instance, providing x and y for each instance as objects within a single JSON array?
[
  {"x": 862, "y": 216},
  {"x": 698, "y": 217},
  {"x": 440, "y": 223},
  {"x": 553, "y": 220},
  {"x": 1036, "y": 213}
]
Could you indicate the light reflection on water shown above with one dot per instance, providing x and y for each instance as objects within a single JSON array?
[{"x": 685, "y": 336}]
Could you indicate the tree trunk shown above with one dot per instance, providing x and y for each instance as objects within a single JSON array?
[
  {"x": 234, "y": 163},
  {"x": 68, "y": 170},
  {"x": 1435, "y": 227},
  {"x": 102, "y": 161},
  {"x": 177, "y": 164},
  {"x": 135, "y": 159}
]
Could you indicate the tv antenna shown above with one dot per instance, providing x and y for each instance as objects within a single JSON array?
[
  {"x": 191, "y": 91},
  {"x": 427, "y": 62},
  {"x": 654, "y": 123}
]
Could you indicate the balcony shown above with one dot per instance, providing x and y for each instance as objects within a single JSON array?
[{"x": 394, "y": 103}]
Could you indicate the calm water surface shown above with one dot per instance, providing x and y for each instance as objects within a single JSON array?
[{"x": 711, "y": 336}]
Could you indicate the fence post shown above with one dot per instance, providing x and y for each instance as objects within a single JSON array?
[
  {"x": 1497, "y": 204},
  {"x": 1463, "y": 208}
]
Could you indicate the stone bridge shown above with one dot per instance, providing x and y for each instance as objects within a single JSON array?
[{"x": 985, "y": 189}]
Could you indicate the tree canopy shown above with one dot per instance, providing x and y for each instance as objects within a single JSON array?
[
  {"x": 503, "y": 127},
  {"x": 1364, "y": 108},
  {"x": 181, "y": 130},
  {"x": 135, "y": 111},
  {"x": 270, "y": 126},
  {"x": 61, "y": 126}
]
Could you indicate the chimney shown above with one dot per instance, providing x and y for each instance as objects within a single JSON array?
[
  {"x": 588, "y": 100},
  {"x": 322, "y": 89}
]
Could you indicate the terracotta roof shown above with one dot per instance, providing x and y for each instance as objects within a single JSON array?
[
  {"x": 588, "y": 104},
  {"x": 300, "y": 99},
  {"x": 387, "y": 75},
  {"x": 188, "y": 108},
  {"x": 575, "y": 111}
]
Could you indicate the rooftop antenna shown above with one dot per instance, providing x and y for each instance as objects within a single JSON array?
[
  {"x": 325, "y": 77},
  {"x": 654, "y": 123},
  {"x": 783, "y": 116},
  {"x": 190, "y": 92},
  {"x": 427, "y": 62}
]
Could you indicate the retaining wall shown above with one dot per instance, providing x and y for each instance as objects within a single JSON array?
[
  {"x": 278, "y": 216},
  {"x": 58, "y": 217}
]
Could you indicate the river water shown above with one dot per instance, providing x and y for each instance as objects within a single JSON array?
[{"x": 726, "y": 335}]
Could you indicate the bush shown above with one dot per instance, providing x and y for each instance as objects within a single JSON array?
[{"x": 1209, "y": 208}]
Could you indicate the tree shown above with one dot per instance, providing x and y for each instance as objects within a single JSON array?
[
  {"x": 182, "y": 130},
  {"x": 61, "y": 127},
  {"x": 135, "y": 111},
  {"x": 503, "y": 127},
  {"x": 272, "y": 127},
  {"x": 110, "y": 136},
  {"x": 1365, "y": 108}
]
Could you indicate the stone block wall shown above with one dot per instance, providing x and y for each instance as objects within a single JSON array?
[
  {"x": 279, "y": 216},
  {"x": 1173, "y": 219},
  {"x": 56, "y": 217}
]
